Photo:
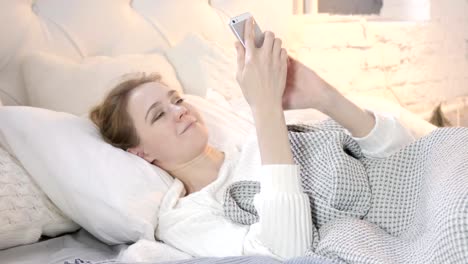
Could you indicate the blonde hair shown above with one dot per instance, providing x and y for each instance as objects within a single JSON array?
[{"x": 111, "y": 115}]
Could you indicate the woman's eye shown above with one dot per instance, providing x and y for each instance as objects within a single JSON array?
[{"x": 156, "y": 117}]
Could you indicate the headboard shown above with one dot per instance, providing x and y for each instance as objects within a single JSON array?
[{"x": 82, "y": 28}]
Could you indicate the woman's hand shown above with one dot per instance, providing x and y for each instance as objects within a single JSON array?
[
  {"x": 261, "y": 72},
  {"x": 305, "y": 88}
]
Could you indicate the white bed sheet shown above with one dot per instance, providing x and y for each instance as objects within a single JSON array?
[{"x": 57, "y": 250}]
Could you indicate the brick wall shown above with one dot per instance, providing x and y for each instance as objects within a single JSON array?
[{"x": 417, "y": 64}]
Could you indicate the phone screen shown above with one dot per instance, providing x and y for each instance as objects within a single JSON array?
[{"x": 237, "y": 25}]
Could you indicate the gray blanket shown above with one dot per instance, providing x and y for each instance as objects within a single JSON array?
[
  {"x": 411, "y": 207},
  {"x": 219, "y": 260}
]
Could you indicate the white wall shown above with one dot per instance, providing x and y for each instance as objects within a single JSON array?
[
  {"x": 407, "y": 9},
  {"x": 417, "y": 64}
]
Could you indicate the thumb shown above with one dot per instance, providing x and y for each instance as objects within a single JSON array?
[{"x": 240, "y": 56}]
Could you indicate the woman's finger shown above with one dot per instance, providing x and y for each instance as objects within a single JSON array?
[
  {"x": 290, "y": 61},
  {"x": 249, "y": 36},
  {"x": 284, "y": 56},
  {"x": 268, "y": 41},
  {"x": 277, "y": 48},
  {"x": 240, "y": 56}
]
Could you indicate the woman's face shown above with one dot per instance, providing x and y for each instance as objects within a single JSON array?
[{"x": 171, "y": 131}]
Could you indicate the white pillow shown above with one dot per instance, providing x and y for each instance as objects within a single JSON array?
[
  {"x": 203, "y": 65},
  {"x": 111, "y": 193},
  {"x": 25, "y": 211},
  {"x": 225, "y": 127},
  {"x": 62, "y": 84}
]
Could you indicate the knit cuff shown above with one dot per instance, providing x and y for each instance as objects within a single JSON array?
[
  {"x": 375, "y": 136},
  {"x": 284, "y": 178}
]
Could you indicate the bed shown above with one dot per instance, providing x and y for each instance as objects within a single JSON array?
[{"x": 58, "y": 55}]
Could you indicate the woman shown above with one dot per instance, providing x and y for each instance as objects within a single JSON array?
[{"x": 148, "y": 119}]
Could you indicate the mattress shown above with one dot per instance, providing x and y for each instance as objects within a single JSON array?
[
  {"x": 81, "y": 247},
  {"x": 57, "y": 250}
]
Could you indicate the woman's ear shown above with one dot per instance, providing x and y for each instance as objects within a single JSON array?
[
  {"x": 141, "y": 153},
  {"x": 137, "y": 151}
]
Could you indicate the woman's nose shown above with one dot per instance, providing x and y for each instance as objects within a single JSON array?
[{"x": 178, "y": 111}]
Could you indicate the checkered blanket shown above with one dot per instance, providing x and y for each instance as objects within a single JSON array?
[
  {"x": 411, "y": 207},
  {"x": 218, "y": 260}
]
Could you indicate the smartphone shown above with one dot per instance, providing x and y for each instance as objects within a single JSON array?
[{"x": 237, "y": 25}]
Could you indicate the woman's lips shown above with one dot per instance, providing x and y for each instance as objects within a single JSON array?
[{"x": 188, "y": 126}]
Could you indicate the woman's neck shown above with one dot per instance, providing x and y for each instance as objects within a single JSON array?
[{"x": 200, "y": 171}]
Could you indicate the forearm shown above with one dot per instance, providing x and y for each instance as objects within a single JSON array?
[
  {"x": 272, "y": 136},
  {"x": 356, "y": 120}
]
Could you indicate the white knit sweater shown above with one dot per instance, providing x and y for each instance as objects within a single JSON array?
[{"x": 196, "y": 224}]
